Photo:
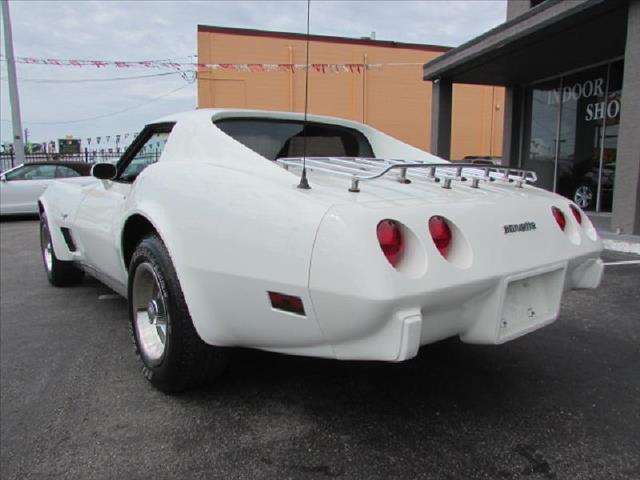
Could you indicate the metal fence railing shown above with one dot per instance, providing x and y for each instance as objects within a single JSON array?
[{"x": 8, "y": 160}]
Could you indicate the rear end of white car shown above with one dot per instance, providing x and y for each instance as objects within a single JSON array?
[{"x": 488, "y": 266}]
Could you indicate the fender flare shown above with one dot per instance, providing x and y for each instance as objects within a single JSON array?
[{"x": 153, "y": 214}]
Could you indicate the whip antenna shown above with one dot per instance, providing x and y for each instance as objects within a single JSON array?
[{"x": 303, "y": 178}]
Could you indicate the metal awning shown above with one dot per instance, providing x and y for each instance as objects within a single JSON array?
[{"x": 552, "y": 38}]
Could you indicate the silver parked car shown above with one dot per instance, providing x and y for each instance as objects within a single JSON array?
[{"x": 20, "y": 187}]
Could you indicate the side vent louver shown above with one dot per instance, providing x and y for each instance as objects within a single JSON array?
[{"x": 66, "y": 233}]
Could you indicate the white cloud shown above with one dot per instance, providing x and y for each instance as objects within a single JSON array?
[{"x": 140, "y": 30}]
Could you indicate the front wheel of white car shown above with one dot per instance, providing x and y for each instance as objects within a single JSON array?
[
  {"x": 174, "y": 357},
  {"x": 59, "y": 273}
]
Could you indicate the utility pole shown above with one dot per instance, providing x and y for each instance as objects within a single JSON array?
[{"x": 18, "y": 144}]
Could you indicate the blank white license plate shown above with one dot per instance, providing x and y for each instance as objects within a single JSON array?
[{"x": 530, "y": 302}]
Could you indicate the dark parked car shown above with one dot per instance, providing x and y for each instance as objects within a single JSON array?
[
  {"x": 585, "y": 193},
  {"x": 482, "y": 160},
  {"x": 582, "y": 188}
]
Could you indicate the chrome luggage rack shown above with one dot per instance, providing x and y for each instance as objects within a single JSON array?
[{"x": 363, "y": 169}]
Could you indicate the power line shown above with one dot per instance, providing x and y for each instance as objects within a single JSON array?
[
  {"x": 88, "y": 80},
  {"x": 2, "y": 57},
  {"x": 247, "y": 66},
  {"x": 109, "y": 114}
]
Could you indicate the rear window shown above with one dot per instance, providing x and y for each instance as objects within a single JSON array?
[{"x": 275, "y": 139}]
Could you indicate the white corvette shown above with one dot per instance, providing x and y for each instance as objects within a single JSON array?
[{"x": 215, "y": 245}]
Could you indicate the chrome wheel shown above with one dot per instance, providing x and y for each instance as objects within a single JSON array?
[
  {"x": 47, "y": 248},
  {"x": 583, "y": 196},
  {"x": 150, "y": 314}
]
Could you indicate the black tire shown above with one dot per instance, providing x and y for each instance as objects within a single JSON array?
[
  {"x": 59, "y": 273},
  {"x": 186, "y": 360}
]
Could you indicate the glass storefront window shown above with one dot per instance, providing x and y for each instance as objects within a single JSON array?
[
  {"x": 570, "y": 136},
  {"x": 581, "y": 124},
  {"x": 540, "y": 136}
]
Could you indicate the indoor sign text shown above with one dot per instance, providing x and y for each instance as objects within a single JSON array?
[{"x": 587, "y": 89}]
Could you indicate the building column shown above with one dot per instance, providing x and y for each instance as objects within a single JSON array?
[
  {"x": 626, "y": 194},
  {"x": 512, "y": 126},
  {"x": 442, "y": 92}
]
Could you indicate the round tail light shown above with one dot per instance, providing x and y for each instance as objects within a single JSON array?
[
  {"x": 391, "y": 241},
  {"x": 440, "y": 233},
  {"x": 559, "y": 216},
  {"x": 576, "y": 213}
]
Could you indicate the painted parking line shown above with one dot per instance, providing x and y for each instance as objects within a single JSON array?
[{"x": 624, "y": 262}]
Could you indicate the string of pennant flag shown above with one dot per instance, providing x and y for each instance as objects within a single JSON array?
[
  {"x": 125, "y": 137},
  {"x": 115, "y": 144},
  {"x": 122, "y": 140},
  {"x": 243, "y": 67},
  {"x": 108, "y": 144}
]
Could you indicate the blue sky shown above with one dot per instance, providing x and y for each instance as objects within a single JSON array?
[{"x": 143, "y": 30}]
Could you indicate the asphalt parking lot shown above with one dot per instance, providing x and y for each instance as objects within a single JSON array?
[{"x": 561, "y": 403}]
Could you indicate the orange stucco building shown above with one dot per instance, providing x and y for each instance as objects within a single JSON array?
[{"x": 391, "y": 98}]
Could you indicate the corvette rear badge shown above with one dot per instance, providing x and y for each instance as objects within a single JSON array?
[{"x": 519, "y": 227}]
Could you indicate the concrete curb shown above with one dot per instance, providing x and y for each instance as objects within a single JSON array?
[{"x": 621, "y": 246}]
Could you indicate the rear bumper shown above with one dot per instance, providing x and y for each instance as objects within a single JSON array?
[
  {"x": 488, "y": 311},
  {"x": 493, "y": 286}
]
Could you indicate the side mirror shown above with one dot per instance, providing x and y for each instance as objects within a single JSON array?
[
  {"x": 3, "y": 178},
  {"x": 104, "y": 171}
]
